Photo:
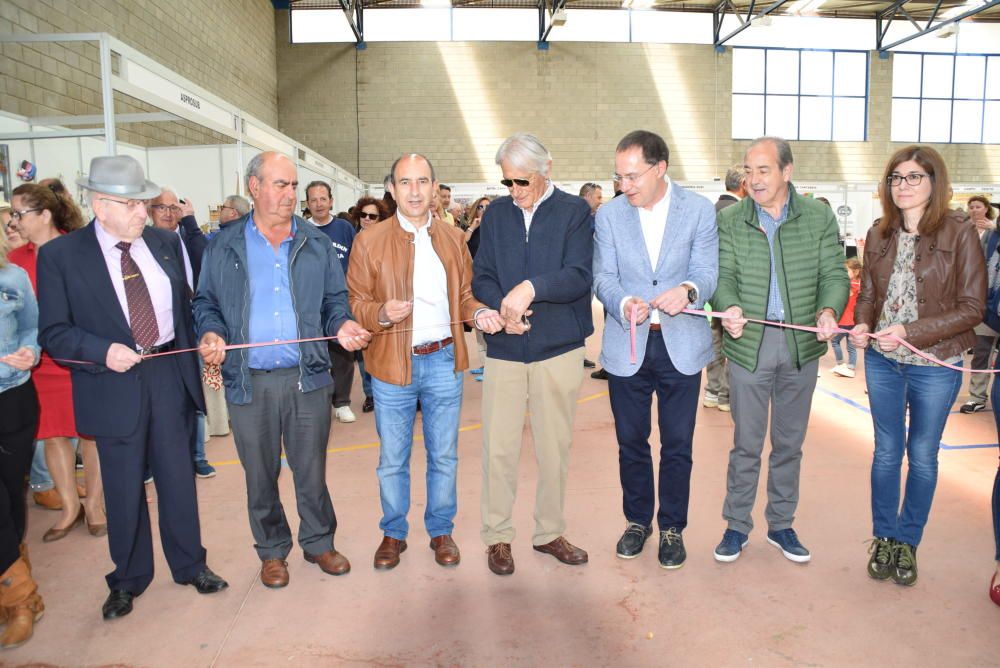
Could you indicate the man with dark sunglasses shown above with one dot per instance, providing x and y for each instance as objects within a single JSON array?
[{"x": 534, "y": 261}]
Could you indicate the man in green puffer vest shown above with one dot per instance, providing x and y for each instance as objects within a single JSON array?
[{"x": 779, "y": 260}]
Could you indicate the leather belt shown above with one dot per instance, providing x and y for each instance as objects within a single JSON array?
[
  {"x": 432, "y": 347},
  {"x": 154, "y": 350},
  {"x": 654, "y": 327}
]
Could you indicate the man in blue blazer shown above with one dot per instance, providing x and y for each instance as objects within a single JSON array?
[
  {"x": 655, "y": 253},
  {"x": 111, "y": 295}
]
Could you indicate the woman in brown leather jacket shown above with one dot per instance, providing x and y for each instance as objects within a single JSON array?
[{"x": 924, "y": 282}]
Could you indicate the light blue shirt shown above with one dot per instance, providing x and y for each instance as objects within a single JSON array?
[
  {"x": 775, "y": 306},
  {"x": 18, "y": 323},
  {"x": 272, "y": 313}
]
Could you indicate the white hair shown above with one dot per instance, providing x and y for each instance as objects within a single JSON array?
[{"x": 524, "y": 151}]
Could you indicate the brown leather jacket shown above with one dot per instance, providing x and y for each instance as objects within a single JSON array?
[
  {"x": 951, "y": 286},
  {"x": 381, "y": 268}
]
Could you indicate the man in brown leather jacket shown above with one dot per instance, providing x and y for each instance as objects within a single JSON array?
[{"x": 409, "y": 281}]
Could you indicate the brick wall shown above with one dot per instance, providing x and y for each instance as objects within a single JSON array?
[
  {"x": 224, "y": 46},
  {"x": 457, "y": 101}
]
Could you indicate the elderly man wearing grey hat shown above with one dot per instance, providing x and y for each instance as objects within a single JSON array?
[{"x": 116, "y": 300}]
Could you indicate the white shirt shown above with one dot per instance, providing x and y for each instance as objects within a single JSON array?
[
  {"x": 530, "y": 213},
  {"x": 431, "y": 315},
  {"x": 157, "y": 281},
  {"x": 188, "y": 273},
  {"x": 653, "y": 223}
]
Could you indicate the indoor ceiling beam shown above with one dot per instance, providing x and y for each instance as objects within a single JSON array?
[
  {"x": 354, "y": 12},
  {"x": 720, "y": 11},
  {"x": 546, "y": 10},
  {"x": 884, "y": 19}
]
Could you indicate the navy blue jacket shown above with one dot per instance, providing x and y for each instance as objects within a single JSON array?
[
  {"x": 195, "y": 242},
  {"x": 319, "y": 293},
  {"x": 556, "y": 257},
  {"x": 80, "y": 317}
]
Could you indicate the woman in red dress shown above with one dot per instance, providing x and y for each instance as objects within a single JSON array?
[{"x": 40, "y": 216}]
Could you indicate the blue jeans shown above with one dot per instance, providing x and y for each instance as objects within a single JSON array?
[
  {"x": 995, "y": 400},
  {"x": 198, "y": 444},
  {"x": 366, "y": 378},
  {"x": 930, "y": 392},
  {"x": 40, "y": 480},
  {"x": 852, "y": 352},
  {"x": 439, "y": 389}
]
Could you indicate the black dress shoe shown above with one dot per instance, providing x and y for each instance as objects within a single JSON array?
[
  {"x": 587, "y": 364},
  {"x": 632, "y": 541},
  {"x": 118, "y": 604},
  {"x": 600, "y": 374},
  {"x": 672, "y": 553},
  {"x": 368, "y": 406},
  {"x": 207, "y": 582}
]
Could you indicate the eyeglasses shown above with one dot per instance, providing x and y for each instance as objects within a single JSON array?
[
  {"x": 131, "y": 204},
  {"x": 631, "y": 178},
  {"x": 370, "y": 216},
  {"x": 163, "y": 208},
  {"x": 912, "y": 179},
  {"x": 18, "y": 215},
  {"x": 510, "y": 183}
]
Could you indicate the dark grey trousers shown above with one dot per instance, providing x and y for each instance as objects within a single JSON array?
[
  {"x": 342, "y": 370},
  {"x": 280, "y": 413},
  {"x": 776, "y": 386},
  {"x": 979, "y": 383}
]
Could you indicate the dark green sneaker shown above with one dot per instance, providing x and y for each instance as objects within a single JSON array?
[
  {"x": 904, "y": 571},
  {"x": 882, "y": 551}
]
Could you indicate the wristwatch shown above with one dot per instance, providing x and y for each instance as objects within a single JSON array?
[{"x": 692, "y": 295}]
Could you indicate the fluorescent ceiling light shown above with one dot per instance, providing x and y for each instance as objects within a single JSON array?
[
  {"x": 805, "y": 7},
  {"x": 436, "y": 4},
  {"x": 969, "y": 5}
]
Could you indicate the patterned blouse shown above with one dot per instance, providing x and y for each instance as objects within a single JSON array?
[{"x": 901, "y": 300}]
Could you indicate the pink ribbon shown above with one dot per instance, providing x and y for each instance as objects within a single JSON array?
[
  {"x": 633, "y": 357},
  {"x": 839, "y": 330}
]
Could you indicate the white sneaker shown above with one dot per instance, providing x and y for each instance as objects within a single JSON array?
[
  {"x": 711, "y": 400},
  {"x": 345, "y": 414},
  {"x": 843, "y": 370}
]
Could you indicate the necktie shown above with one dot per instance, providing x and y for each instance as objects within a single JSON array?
[{"x": 141, "y": 315}]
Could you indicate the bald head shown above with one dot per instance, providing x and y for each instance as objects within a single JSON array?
[{"x": 272, "y": 180}]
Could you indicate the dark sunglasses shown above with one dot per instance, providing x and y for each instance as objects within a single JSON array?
[
  {"x": 369, "y": 216},
  {"x": 481, "y": 207},
  {"x": 510, "y": 183}
]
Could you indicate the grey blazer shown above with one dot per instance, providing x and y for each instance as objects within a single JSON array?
[{"x": 689, "y": 251}]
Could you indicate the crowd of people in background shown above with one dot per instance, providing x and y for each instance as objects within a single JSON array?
[{"x": 396, "y": 283}]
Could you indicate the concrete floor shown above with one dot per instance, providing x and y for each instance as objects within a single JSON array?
[{"x": 760, "y": 610}]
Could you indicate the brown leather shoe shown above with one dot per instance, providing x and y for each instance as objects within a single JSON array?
[
  {"x": 274, "y": 573},
  {"x": 500, "y": 560},
  {"x": 564, "y": 551},
  {"x": 330, "y": 562},
  {"x": 387, "y": 554},
  {"x": 445, "y": 551},
  {"x": 49, "y": 499}
]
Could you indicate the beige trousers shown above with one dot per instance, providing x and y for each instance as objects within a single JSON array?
[
  {"x": 216, "y": 413},
  {"x": 549, "y": 390}
]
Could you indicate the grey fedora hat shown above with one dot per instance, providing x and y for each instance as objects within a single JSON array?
[{"x": 119, "y": 175}]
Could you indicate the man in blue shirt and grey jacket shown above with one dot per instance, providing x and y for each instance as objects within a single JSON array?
[{"x": 272, "y": 277}]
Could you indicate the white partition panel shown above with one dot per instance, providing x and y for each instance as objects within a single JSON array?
[{"x": 193, "y": 171}]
